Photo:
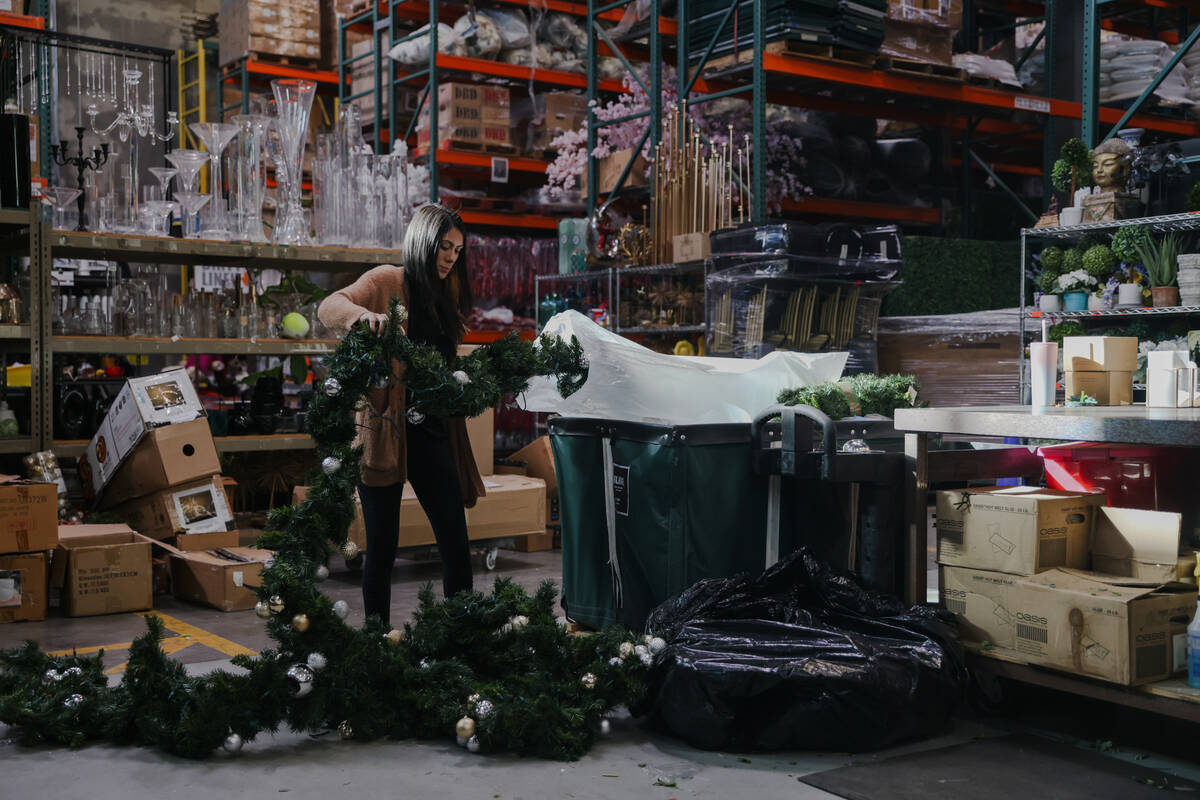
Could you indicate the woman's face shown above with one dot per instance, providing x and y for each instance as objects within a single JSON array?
[{"x": 448, "y": 251}]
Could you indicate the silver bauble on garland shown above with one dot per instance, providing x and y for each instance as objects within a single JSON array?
[
  {"x": 300, "y": 680},
  {"x": 349, "y": 550},
  {"x": 473, "y": 744},
  {"x": 588, "y": 680},
  {"x": 317, "y": 661},
  {"x": 332, "y": 387},
  {"x": 657, "y": 645},
  {"x": 345, "y": 730},
  {"x": 72, "y": 672},
  {"x": 415, "y": 417},
  {"x": 605, "y": 727},
  {"x": 461, "y": 377},
  {"x": 73, "y": 701},
  {"x": 262, "y": 609},
  {"x": 341, "y": 608},
  {"x": 330, "y": 464},
  {"x": 232, "y": 743},
  {"x": 484, "y": 708},
  {"x": 276, "y": 604},
  {"x": 322, "y": 573}
]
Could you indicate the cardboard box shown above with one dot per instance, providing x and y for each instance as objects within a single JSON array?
[
  {"x": 481, "y": 432},
  {"x": 1109, "y": 388},
  {"x": 192, "y": 508},
  {"x": 538, "y": 458},
  {"x": 192, "y": 542},
  {"x": 514, "y": 506},
  {"x": 103, "y": 569},
  {"x": 244, "y": 24},
  {"x": 1021, "y": 530},
  {"x": 166, "y": 457},
  {"x": 609, "y": 169},
  {"x": 22, "y": 587},
  {"x": 28, "y": 515},
  {"x": 1100, "y": 353},
  {"x": 535, "y": 543},
  {"x": 1134, "y": 543},
  {"x": 155, "y": 401},
  {"x": 1114, "y": 629},
  {"x": 225, "y": 585},
  {"x": 559, "y": 112},
  {"x": 690, "y": 247}
]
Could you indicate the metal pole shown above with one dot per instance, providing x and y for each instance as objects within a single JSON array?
[
  {"x": 1089, "y": 124},
  {"x": 758, "y": 198},
  {"x": 593, "y": 176},
  {"x": 434, "y": 133},
  {"x": 1049, "y": 153}
]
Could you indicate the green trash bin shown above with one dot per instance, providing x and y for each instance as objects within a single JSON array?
[{"x": 684, "y": 504}]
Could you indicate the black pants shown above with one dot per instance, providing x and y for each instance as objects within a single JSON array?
[{"x": 433, "y": 476}]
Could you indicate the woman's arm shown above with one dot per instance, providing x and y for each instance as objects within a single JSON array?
[{"x": 368, "y": 295}]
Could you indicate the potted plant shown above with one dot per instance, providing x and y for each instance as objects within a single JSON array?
[
  {"x": 1099, "y": 261},
  {"x": 1161, "y": 261},
  {"x": 1075, "y": 287},
  {"x": 1051, "y": 260},
  {"x": 1132, "y": 276},
  {"x": 1074, "y": 166}
]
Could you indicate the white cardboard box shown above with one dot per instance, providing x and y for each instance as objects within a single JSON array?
[{"x": 144, "y": 403}]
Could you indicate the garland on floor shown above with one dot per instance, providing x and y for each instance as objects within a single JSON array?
[{"x": 496, "y": 671}]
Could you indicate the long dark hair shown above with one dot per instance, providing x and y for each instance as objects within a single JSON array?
[{"x": 437, "y": 308}]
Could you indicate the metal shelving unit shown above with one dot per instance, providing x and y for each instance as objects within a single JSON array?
[
  {"x": 155, "y": 346},
  {"x": 23, "y": 228},
  {"x": 1063, "y": 233}
]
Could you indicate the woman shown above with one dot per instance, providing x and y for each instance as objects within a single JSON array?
[{"x": 434, "y": 456}]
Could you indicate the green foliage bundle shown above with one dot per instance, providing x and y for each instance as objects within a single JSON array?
[
  {"x": 1072, "y": 260},
  {"x": 546, "y": 691},
  {"x": 1052, "y": 260},
  {"x": 1048, "y": 282},
  {"x": 1073, "y": 168},
  {"x": 1126, "y": 240},
  {"x": 872, "y": 394},
  {"x": 1099, "y": 261},
  {"x": 1063, "y": 329}
]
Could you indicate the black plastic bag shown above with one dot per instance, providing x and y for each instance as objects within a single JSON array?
[{"x": 801, "y": 657}]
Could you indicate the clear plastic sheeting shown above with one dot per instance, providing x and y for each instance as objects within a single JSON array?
[
  {"x": 628, "y": 382},
  {"x": 765, "y": 306}
]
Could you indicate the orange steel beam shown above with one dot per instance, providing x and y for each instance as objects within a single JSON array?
[
  {"x": 530, "y": 221},
  {"x": 858, "y": 208}
]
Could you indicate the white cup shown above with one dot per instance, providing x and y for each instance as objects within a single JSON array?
[
  {"x": 1043, "y": 368},
  {"x": 1072, "y": 215}
]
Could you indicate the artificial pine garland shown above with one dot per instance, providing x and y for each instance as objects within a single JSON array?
[
  {"x": 496, "y": 670},
  {"x": 858, "y": 395}
]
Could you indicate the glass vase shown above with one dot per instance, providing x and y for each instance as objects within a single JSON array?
[
  {"x": 293, "y": 105},
  {"x": 251, "y": 176}
]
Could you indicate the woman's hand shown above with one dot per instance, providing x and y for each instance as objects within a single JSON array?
[{"x": 376, "y": 322}]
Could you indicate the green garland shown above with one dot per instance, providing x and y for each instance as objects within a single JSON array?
[
  {"x": 497, "y": 669},
  {"x": 874, "y": 394}
]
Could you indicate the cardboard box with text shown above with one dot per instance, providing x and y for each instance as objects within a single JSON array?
[
  {"x": 102, "y": 569},
  {"x": 1020, "y": 530},
  {"x": 166, "y": 457},
  {"x": 196, "y": 507},
  {"x": 222, "y": 583},
  {"x": 28, "y": 515}
]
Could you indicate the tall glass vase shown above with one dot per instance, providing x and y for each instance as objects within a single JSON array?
[
  {"x": 293, "y": 105},
  {"x": 252, "y": 178}
]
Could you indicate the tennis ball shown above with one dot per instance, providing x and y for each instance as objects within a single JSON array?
[{"x": 294, "y": 326}]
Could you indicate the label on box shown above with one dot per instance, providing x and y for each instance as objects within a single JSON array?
[
  {"x": 499, "y": 170},
  {"x": 201, "y": 510}
]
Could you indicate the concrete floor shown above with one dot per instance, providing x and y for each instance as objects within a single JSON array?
[{"x": 627, "y": 764}]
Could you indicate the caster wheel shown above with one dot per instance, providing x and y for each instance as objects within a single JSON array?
[{"x": 489, "y": 558}]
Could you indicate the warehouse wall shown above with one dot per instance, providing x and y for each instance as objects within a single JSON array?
[{"x": 161, "y": 23}]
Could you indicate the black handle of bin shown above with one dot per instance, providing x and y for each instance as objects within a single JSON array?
[{"x": 796, "y": 434}]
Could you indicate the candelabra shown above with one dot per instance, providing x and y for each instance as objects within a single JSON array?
[
  {"x": 133, "y": 122},
  {"x": 82, "y": 164}
]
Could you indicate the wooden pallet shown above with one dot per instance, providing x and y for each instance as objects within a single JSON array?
[
  {"x": 472, "y": 147},
  {"x": 285, "y": 61},
  {"x": 789, "y": 47},
  {"x": 900, "y": 66}
]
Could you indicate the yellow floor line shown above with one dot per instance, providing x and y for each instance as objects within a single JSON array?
[
  {"x": 169, "y": 646},
  {"x": 201, "y": 636},
  {"x": 83, "y": 651}
]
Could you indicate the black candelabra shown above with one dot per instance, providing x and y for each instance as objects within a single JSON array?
[{"x": 82, "y": 164}]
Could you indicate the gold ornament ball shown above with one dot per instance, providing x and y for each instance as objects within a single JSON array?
[
  {"x": 344, "y": 730},
  {"x": 275, "y": 604},
  {"x": 393, "y": 637},
  {"x": 465, "y": 727},
  {"x": 300, "y": 622},
  {"x": 262, "y": 609}
]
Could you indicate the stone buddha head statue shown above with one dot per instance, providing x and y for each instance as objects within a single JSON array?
[{"x": 1110, "y": 166}]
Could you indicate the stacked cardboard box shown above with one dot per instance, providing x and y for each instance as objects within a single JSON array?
[
  {"x": 477, "y": 116},
  {"x": 28, "y": 530},
  {"x": 270, "y": 27},
  {"x": 922, "y": 30},
  {"x": 1102, "y": 366},
  {"x": 1014, "y": 571},
  {"x": 537, "y": 461},
  {"x": 538, "y": 120}
]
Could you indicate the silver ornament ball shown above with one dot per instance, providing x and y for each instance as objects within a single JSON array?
[
  {"x": 519, "y": 621},
  {"x": 605, "y": 727},
  {"x": 614, "y": 662},
  {"x": 275, "y": 604},
  {"x": 414, "y": 416},
  {"x": 52, "y": 675},
  {"x": 73, "y": 701},
  {"x": 342, "y": 609},
  {"x": 588, "y": 680},
  {"x": 657, "y": 645},
  {"x": 322, "y": 572},
  {"x": 473, "y": 744},
  {"x": 300, "y": 680},
  {"x": 641, "y": 650},
  {"x": 484, "y": 708},
  {"x": 232, "y": 743},
  {"x": 330, "y": 464},
  {"x": 461, "y": 377},
  {"x": 473, "y": 699},
  {"x": 332, "y": 387},
  {"x": 424, "y": 663},
  {"x": 646, "y": 659},
  {"x": 345, "y": 730},
  {"x": 317, "y": 661},
  {"x": 625, "y": 649},
  {"x": 262, "y": 609},
  {"x": 383, "y": 382},
  {"x": 72, "y": 672}
]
